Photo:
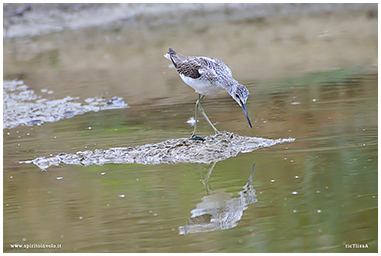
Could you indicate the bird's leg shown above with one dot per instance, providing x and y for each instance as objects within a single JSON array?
[
  {"x": 198, "y": 104},
  {"x": 196, "y": 115}
]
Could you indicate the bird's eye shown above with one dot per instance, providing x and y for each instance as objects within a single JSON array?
[{"x": 237, "y": 95}]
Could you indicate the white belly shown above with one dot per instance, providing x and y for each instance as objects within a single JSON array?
[{"x": 201, "y": 86}]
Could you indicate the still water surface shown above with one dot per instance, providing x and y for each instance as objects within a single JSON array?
[{"x": 317, "y": 194}]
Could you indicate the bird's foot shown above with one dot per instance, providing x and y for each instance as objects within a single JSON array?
[{"x": 195, "y": 137}]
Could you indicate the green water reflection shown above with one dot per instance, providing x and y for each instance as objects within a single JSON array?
[{"x": 314, "y": 195}]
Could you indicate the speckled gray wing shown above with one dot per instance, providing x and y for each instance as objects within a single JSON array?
[
  {"x": 190, "y": 68},
  {"x": 201, "y": 67},
  {"x": 204, "y": 68},
  {"x": 219, "y": 67},
  {"x": 187, "y": 66},
  {"x": 212, "y": 69}
]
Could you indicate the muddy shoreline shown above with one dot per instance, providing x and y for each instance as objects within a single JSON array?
[
  {"x": 69, "y": 48},
  {"x": 31, "y": 20}
]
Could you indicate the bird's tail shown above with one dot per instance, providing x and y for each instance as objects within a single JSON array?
[{"x": 174, "y": 57}]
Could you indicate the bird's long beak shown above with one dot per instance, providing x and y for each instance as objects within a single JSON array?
[{"x": 247, "y": 116}]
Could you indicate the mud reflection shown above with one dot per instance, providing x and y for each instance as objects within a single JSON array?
[{"x": 218, "y": 210}]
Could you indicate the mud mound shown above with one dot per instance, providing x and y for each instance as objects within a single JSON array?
[
  {"x": 23, "y": 106},
  {"x": 172, "y": 151}
]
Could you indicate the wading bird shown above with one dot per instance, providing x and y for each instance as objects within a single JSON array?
[{"x": 208, "y": 76}]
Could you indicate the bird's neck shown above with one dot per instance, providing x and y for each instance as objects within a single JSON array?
[{"x": 229, "y": 85}]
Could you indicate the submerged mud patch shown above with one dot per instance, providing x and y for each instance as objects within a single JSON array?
[
  {"x": 22, "y": 106},
  {"x": 183, "y": 150}
]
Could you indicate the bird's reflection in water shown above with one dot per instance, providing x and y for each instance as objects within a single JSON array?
[{"x": 218, "y": 210}]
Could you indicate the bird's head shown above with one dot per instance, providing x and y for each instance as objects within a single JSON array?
[{"x": 240, "y": 94}]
